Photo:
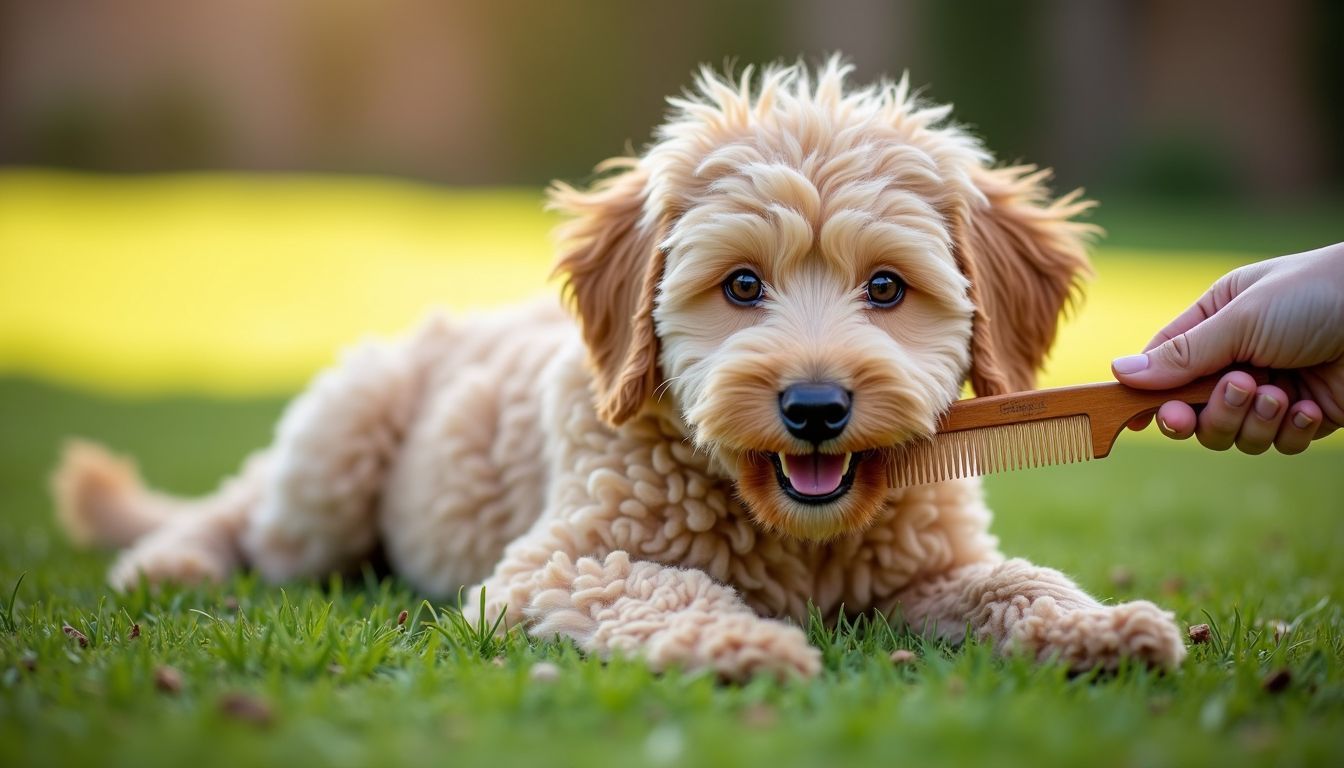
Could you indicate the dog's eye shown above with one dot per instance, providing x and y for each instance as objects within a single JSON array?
[
  {"x": 885, "y": 289},
  {"x": 743, "y": 287}
]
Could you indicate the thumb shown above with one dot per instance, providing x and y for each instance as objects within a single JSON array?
[{"x": 1203, "y": 349}]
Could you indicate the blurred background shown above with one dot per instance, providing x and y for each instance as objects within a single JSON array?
[
  {"x": 1183, "y": 97},
  {"x": 214, "y": 197}
]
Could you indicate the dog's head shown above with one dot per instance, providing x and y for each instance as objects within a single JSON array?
[{"x": 805, "y": 276}]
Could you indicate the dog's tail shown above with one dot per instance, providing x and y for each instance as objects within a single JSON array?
[{"x": 100, "y": 499}]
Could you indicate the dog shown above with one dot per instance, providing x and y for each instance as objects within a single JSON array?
[{"x": 794, "y": 277}]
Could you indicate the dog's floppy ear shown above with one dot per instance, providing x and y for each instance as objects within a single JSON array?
[
  {"x": 611, "y": 266},
  {"x": 1024, "y": 258}
]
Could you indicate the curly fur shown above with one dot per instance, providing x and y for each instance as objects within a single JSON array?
[{"x": 607, "y": 480}]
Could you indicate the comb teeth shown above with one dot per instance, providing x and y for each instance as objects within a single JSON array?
[{"x": 973, "y": 452}]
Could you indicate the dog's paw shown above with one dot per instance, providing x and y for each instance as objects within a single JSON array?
[
  {"x": 1099, "y": 638},
  {"x": 735, "y": 647},
  {"x": 162, "y": 560}
]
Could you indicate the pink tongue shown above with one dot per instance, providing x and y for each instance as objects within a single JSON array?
[{"x": 814, "y": 474}]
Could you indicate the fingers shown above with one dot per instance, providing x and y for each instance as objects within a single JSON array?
[
  {"x": 1184, "y": 357},
  {"x": 1139, "y": 423},
  {"x": 1219, "y": 295},
  {"x": 1300, "y": 424},
  {"x": 1240, "y": 413},
  {"x": 1202, "y": 339},
  {"x": 1254, "y": 418},
  {"x": 1221, "y": 419},
  {"x": 1193, "y": 315},
  {"x": 1263, "y": 420},
  {"x": 1176, "y": 420}
]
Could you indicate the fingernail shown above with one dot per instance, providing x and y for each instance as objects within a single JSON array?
[
  {"x": 1162, "y": 425},
  {"x": 1266, "y": 406},
  {"x": 1130, "y": 364},
  {"x": 1235, "y": 396},
  {"x": 1302, "y": 421}
]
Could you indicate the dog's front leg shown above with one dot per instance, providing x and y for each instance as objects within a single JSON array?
[
  {"x": 1022, "y": 607},
  {"x": 669, "y": 617}
]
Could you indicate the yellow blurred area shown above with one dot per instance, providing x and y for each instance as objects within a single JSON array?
[
  {"x": 238, "y": 285},
  {"x": 1132, "y": 296}
]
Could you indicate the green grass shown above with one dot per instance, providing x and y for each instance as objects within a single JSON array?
[
  {"x": 1259, "y": 230},
  {"x": 324, "y": 673}
]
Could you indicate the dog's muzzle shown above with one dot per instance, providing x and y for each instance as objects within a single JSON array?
[{"x": 815, "y": 413}]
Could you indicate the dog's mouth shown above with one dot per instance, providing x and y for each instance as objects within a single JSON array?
[{"x": 815, "y": 478}]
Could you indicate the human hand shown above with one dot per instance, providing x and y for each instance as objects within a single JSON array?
[{"x": 1285, "y": 314}]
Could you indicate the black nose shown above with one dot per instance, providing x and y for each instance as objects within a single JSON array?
[{"x": 814, "y": 412}]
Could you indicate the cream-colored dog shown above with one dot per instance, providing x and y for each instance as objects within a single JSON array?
[{"x": 793, "y": 278}]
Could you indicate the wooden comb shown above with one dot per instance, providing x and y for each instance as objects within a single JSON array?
[{"x": 981, "y": 435}]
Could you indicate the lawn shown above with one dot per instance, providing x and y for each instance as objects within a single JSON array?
[{"x": 328, "y": 673}]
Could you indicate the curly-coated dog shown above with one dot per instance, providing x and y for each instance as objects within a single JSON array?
[{"x": 794, "y": 277}]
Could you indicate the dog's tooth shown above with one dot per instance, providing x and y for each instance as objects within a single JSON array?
[
  {"x": 844, "y": 468},
  {"x": 784, "y": 466}
]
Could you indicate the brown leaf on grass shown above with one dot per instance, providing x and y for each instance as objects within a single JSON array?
[
  {"x": 134, "y": 634},
  {"x": 401, "y": 617},
  {"x": 167, "y": 680},
  {"x": 1277, "y": 681},
  {"x": 246, "y": 708},
  {"x": 1122, "y": 577},
  {"x": 76, "y": 635},
  {"x": 901, "y": 657},
  {"x": 1200, "y": 634}
]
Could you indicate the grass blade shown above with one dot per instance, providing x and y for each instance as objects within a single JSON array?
[{"x": 8, "y": 624}]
